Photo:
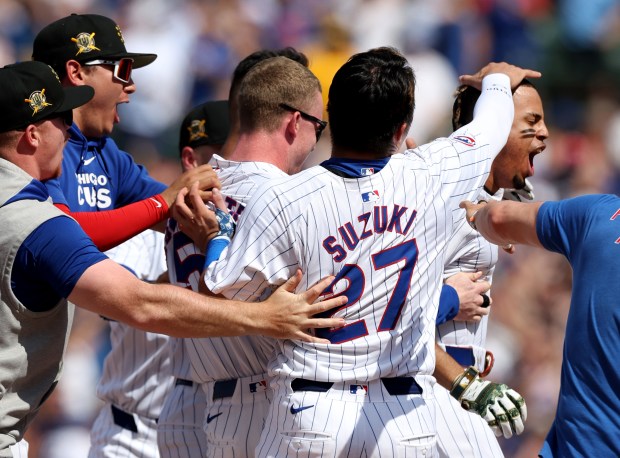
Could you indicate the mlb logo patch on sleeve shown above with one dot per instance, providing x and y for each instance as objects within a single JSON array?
[
  {"x": 465, "y": 140},
  {"x": 371, "y": 196}
]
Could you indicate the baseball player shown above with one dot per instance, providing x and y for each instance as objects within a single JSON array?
[
  {"x": 98, "y": 178},
  {"x": 180, "y": 427},
  {"x": 136, "y": 372},
  {"x": 586, "y": 231},
  {"x": 51, "y": 264},
  {"x": 462, "y": 433},
  {"x": 379, "y": 221},
  {"x": 270, "y": 145}
]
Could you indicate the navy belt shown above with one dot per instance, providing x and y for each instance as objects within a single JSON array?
[
  {"x": 183, "y": 382},
  {"x": 224, "y": 389},
  {"x": 123, "y": 419},
  {"x": 463, "y": 356},
  {"x": 395, "y": 386}
]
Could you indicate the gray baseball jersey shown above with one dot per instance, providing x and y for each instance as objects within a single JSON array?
[
  {"x": 136, "y": 373},
  {"x": 463, "y": 433},
  {"x": 384, "y": 237}
]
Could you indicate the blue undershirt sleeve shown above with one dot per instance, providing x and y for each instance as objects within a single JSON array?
[{"x": 448, "y": 304}]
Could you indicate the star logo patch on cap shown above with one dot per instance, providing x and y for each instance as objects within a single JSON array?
[
  {"x": 37, "y": 101},
  {"x": 120, "y": 34},
  {"x": 85, "y": 43},
  {"x": 197, "y": 130}
]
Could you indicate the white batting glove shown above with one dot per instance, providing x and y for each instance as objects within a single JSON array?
[
  {"x": 520, "y": 195},
  {"x": 503, "y": 408}
]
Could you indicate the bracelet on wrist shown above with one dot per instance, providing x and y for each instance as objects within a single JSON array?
[{"x": 460, "y": 384}]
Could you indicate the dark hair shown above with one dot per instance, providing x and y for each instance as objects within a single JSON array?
[
  {"x": 465, "y": 101},
  {"x": 370, "y": 97}
]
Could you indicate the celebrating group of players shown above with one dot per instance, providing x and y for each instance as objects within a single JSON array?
[{"x": 372, "y": 232}]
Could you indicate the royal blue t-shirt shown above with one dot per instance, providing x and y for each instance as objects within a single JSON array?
[
  {"x": 586, "y": 230},
  {"x": 97, "y": 175},
  {"x": 52, "y": 258}
]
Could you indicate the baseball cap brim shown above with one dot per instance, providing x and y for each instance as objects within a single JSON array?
[
  {"x": 139, "y": 59},
  {"x": 75, "y": 96}
]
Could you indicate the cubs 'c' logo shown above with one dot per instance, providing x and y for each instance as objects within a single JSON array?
[
  {"x": 37, "y": 101},
  {"x": 197, "y": 130},
  {"x": 85, "y": 42}
]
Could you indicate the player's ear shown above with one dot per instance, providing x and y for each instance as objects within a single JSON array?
[
  {"x": 75, "y": 72},
  {"x": 400, "y": 134},
  {"x": 188, "y": 158},
  {"x": 292, "y": 126}
]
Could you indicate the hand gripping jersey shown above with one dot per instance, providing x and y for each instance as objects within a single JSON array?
[
  {"x": 383, "y": 235},
  {"x": 234, "y": 414},
  {"x": 231, "y": 357}
]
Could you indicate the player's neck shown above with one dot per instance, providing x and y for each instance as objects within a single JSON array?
[{"x": 258, "y": 148}]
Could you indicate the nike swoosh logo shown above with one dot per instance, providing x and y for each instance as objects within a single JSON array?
[
  {"x": 295, "y": 410},
  {"x": 211, "y": 418},
  {"x": 88, "y": 161},
  {"x": 157, "y": 202}
]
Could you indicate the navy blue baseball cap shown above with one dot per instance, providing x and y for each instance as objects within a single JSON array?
[
  {"x": 84, "y": 37},
  {"x": 31, "y": 91}
]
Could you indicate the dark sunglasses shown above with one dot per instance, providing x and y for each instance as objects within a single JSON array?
[
  {"x": 320, "y": 125},
  {"x": 122, "y": 67}
]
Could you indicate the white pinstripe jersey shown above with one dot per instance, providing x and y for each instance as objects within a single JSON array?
[
  {"x": 383, "y": 235},
  {"x": 136, "y": 373},
  {"x": 467, "y": 251},
  {"x": 231, "y": 357}
]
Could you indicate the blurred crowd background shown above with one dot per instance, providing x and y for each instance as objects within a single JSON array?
[{"x": 574, "y": 43}]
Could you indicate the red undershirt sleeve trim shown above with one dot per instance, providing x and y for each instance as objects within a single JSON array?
[{"x": 110, "y": 228}]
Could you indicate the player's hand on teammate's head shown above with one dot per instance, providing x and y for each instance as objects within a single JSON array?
[
  {"x": 194, "y": 218},
  {"x": 204, "y": 175},
  {"x": 472, "y": 304},
  {"x": 516, "y": 74},
  {"x": 502, "y": 407},
  {"x": 286, "y": 315}
]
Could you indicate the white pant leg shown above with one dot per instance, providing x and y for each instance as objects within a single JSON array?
[
  {"x": 233, "y": 424},
  {"x": 179, "y": 429},
  {"x": 109, "y": 440},
  {"x": 350, "y": 419}
]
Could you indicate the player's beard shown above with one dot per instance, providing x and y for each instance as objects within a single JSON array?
[{"x": 518, "y": 182}]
